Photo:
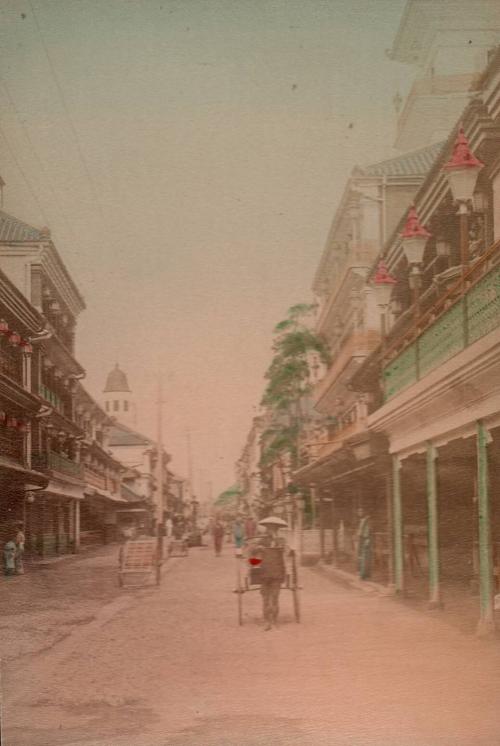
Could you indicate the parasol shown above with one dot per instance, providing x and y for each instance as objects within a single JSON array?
[{"x": 273, "y": 520}]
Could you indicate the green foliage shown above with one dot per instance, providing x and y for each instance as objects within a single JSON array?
[{"x": 288, "y": 381}]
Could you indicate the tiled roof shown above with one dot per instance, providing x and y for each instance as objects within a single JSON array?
[
  {"x": 415, "y": 163},
  {"x": 12, "y": 229},
  {"x": 119, "y": 435}
]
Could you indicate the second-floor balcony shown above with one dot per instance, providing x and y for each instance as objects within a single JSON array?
[
  {"x": 95, "y": 477},
  {"x": 59, "y": 463},
  {"x": 469, "y": 310},
  {"x": 11, "y": 445},
  {"x": 11, "y": 363},
  {"x": 53, "y": 399}
]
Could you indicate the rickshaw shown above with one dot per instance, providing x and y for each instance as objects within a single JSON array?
[
  {"x": 248, "y": 571},
  {"x": 139, "y": 562}
]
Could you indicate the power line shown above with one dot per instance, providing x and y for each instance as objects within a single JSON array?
[
  {"x": 38, "y": 159},
  {"x": 23, "y": 174},
  {"x": 68, "y": 114}
]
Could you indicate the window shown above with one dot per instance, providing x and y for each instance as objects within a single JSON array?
[
  {"x": 125, "y": 406},
  {"x": 116, "y": 406}
]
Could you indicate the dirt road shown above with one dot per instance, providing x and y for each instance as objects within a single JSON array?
[{"x": 171, "y": 666}]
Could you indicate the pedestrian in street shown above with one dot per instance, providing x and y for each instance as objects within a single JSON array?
[
  {"x": 218, "y": 534},
  {"x": 250, "y": 528},
  {"x": 9, "y": 558},
  {"x": 238, "y": 535},
  {"x": 272, "y": 574},
  {"x": 20, "y": 540},
  {"x": 364, "y": 542},
  {"x": 169, "y": 526}
]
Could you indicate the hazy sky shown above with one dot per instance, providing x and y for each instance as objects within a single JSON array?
[{"x": 188, "y": 157}]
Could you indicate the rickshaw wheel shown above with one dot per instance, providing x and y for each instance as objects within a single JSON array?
[{"x": 296, "y": 604}]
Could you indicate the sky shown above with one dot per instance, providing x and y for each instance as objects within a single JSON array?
[{"x": 188, "y": 158}]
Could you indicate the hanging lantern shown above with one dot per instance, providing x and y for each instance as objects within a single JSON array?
[
  {"x": 3, "y": 417},
  {"x": 415, "y": 238},
  {"x": 383, "y": 282},
  {"x": 12, "y": 422},
  {"x": 22, "y": 426},
  {"x": 26, "y": 347},
  {"x": 462, "y": 169},
  {"x": 14, "y": 339},
  {"x": 4, "y": 327}
]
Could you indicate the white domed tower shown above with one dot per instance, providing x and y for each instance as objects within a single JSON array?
[{"x": 118, "y": 399}]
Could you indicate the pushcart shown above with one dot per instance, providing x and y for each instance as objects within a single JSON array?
[
  {"x": 139, "y": 563},
  {"x": 247, "y": 577},
  {"x": 178, "y": 548}
]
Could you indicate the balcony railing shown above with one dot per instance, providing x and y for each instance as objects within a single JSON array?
[
  {"x": 469, "y": 310},
  {"x": 94, "y": 478},
  {"x": 52, "y": 398},
  {"x": 11, "y": 445},
  {"x": 11, "y": 364},
  {"x": 57, "y": 462}
]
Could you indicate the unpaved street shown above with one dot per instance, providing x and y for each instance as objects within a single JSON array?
[{"x": 171, "y": 666}]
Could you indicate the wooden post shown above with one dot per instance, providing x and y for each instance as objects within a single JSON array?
[
  {"x": 334, "y": 533},
  {"x": 76, "y": 526},
  {"x": 390, "y": 532},
  {"x": 432, "y": 517},
  {"x": 321, "y": 527},
  {"x": 398, "y": 526},
  {"x": 486, "y": 625}
]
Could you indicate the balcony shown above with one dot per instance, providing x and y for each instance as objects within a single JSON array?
[
  {"x": 11, "y": 364},
  {"x": 52, "y": 398},
  {"x": 95, "y": 478},
  {"x": 357, "y": 347},
  {"x": 59, "y": 463},
  {"x": 469, "y": 310},
  {"x": 11, "y": 445}
]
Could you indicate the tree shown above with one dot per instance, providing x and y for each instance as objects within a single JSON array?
[{"x": 288, "y": 383}]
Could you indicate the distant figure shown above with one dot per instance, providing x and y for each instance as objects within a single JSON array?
[
  {"x": 20, "y": 540},
  {"x": 9, "y": 558},
  {"x": 250, "y": 528},
  {"x": 169, "y": 526},
  {"x": 218, "y": 533},
  {"x": 364, "y": 541},
  {"x": 238, "y": 534}
]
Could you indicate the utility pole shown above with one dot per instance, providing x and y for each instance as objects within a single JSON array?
[{"x": 159, "y": 469}]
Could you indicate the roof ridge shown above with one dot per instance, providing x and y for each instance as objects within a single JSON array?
[{"x": 402, "y": 157}]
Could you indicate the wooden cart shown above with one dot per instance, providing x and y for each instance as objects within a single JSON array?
[
  {"x": 178, "y": 548},
  {"x": 139, "y": 563},
  {"x": 247, "y": 577}
]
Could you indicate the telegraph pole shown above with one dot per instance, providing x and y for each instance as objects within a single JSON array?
[{"x": 159, "y": 469}]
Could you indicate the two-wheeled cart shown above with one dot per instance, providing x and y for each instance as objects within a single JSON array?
[
  {"x": 248, "y": 576},
  {"x": 139, "y": 563},
  {"x": 178, "y": 548}
]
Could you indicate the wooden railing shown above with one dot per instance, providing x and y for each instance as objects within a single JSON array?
[
  {"x": 11, "y": 364},
  {"x": 11, "y": 444},
  {"x": 467, "y": 311},
  {"x": 57, "y": 462}
]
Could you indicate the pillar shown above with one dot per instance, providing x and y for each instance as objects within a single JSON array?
[
  {"x": 432, "y": 518},
  {"x": 76, "y": 526},
  {"x": 486, "y": 623},
  {"x": 334, "y": 533},
  {"x": 397, "y": 525},
  {"x": 321, "y": 526},
  {"x": 390, "y": 531}
]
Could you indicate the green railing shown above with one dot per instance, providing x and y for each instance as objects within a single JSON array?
[
  {"x": 57, "y": 462},
  {"x": 51, "y": 397},
  {"x": 472, "y": 316}
]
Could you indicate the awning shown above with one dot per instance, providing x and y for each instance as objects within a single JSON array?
[
  {"x": 64, "y": 489},
  {"x": 104, "y": 495},
  {"x": 132, "y": 510}
]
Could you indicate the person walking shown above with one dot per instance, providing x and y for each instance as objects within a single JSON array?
[
  {"x": 250, "y": 528},
  {"x": 9, "y": 558},
  {"x": 218, "y": 534},
  {"x": 20, "y": 541},
  {"x": 272, "y": 574},
  {"x": 364, "y": 541},
  {"x": 238, "y": 535}
]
